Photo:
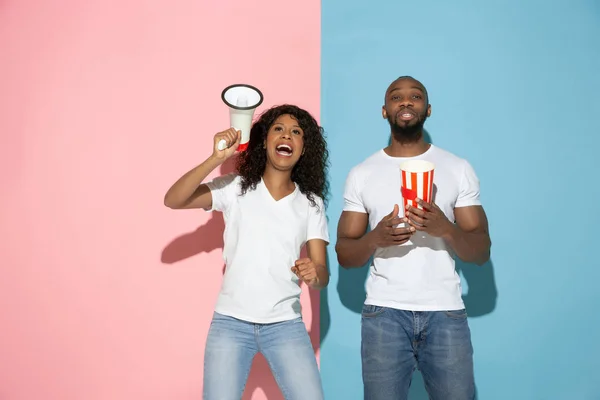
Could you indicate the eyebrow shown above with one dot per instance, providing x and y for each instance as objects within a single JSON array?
[
  {"x": 293, "y": 126},
  {"x": 412, "y": 87}
]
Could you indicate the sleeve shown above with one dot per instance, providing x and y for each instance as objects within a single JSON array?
[
  {"x": 222, "y": 190},
  {"x": 317, "y": 222},
  {"x": 468, "y": 193},
  {"x": 352, "y": 197}
]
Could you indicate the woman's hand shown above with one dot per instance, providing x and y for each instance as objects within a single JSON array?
[{"x": 232, "y": 141}]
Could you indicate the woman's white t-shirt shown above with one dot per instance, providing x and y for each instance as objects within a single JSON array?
[{"x": 263, "y": 239}]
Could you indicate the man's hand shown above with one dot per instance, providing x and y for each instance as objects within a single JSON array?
[
  {"x": 306, "y": 270},
  {"x": 385, "y": 234},
  {"x": 430, "y": 220}
]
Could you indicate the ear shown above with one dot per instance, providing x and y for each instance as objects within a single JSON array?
[
  {"x": 264, "y": 144},
  {"x": 383, "y": 112},
  {"x": 428, "y": 110}
]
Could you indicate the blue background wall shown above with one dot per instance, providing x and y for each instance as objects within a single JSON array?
[{"x": 514, "y": 88}]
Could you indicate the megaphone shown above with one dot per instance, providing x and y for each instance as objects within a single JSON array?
[{"x": 242, "y": 101}]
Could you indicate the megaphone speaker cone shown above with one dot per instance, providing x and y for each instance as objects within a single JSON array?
[
  {"x": 242, "y": 100},
  {"x": 242, "y": 96}
]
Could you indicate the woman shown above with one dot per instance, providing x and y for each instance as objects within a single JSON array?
[{"x": 272, "y": 207}]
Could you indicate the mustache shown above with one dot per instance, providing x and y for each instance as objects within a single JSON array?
[{"x": 407, "y": 109}]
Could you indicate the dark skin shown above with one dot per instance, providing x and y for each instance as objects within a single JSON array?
[{"x": 406, "y": 108}]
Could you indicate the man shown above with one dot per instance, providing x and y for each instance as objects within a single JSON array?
[{"x": 413, "y": 316}]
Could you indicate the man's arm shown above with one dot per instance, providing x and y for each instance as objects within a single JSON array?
[
  {"x": 354, "y": 247},
  {"x": 470, "y": 238}
]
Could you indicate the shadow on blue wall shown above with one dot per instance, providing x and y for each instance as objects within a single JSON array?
[{"x": 479, "y": 300}]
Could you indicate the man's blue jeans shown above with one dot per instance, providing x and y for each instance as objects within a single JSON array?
[
  {"x": 396, "y": 342},
  {"x": 232, "y": 344}
]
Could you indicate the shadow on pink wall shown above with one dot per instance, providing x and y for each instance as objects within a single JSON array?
[{"x": 209, "y": 237}]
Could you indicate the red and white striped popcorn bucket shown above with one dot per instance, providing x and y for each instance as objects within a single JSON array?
[{"x": 417, "y": 181}]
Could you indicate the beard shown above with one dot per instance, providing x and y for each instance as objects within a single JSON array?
[{"x": 407, "y": 133}]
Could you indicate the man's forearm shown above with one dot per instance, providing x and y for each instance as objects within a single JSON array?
[
  {"x": 471, "y": 247},
  {"x": 354, "y": 253}
]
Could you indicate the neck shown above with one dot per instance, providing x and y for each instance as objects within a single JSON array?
[
  {"x": 411, "y": 148},
  {"x": 278, "y": 180}
]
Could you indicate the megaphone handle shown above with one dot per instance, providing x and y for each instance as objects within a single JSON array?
[{"x": 222, "y": 145}]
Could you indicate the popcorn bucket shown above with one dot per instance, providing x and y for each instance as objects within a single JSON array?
[{"x": 417, "y": 181}]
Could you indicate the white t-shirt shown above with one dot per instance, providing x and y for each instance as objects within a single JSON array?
[
  {"x": 262, "y": 240},
  {"x": 419, "y": 275}
]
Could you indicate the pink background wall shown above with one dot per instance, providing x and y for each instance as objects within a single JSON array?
[{"x": 106, "y": 294}]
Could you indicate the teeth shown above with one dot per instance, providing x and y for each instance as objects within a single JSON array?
[{"x": 284, "y": 150}]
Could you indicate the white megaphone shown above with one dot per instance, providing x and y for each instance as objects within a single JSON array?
[{"x": 242, "y": 101}]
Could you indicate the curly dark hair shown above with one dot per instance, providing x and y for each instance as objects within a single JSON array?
[{"x": 310, "y": 173}]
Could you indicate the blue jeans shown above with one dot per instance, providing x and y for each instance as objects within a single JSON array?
[
  {"x": 396, "y": 342},
  {"x": 232, "y": 344}
]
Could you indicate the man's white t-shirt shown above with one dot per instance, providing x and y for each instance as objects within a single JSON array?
[
  {"x": 419, "y": 275},
  {"x": 262, "y": 241}
]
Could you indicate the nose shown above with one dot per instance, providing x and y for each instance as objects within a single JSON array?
[
  {"x": 286, "y": 134},
  {"x": 406, "y": 101}
]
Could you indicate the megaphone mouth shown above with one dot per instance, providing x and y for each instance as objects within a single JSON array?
[{"x": 254, "y": 102}]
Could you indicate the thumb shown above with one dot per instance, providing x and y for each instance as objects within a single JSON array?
[
  {"x": 394, "y": 212},
  {"x": 238, "y": 138}
]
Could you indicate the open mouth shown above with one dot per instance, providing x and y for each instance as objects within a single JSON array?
[
  {"x": 284, "y": 150},
  {"x": 406, "y": 115}
]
